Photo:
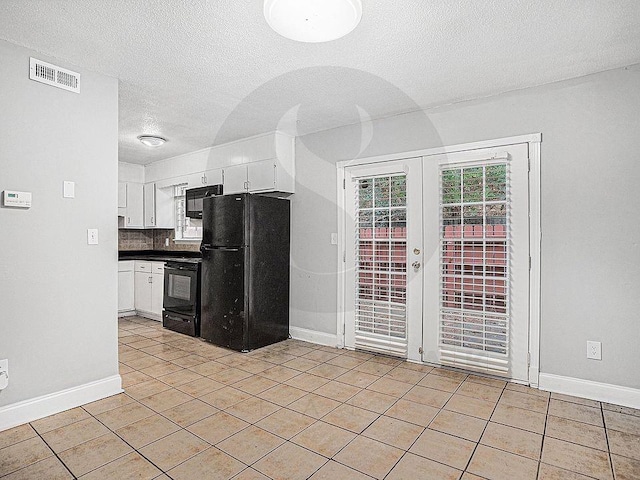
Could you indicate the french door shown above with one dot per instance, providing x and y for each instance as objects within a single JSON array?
[
  {"x": 437, "y": 259},
  {"x": 476, "y": 280},
  {"x": 383, "y": 255}
]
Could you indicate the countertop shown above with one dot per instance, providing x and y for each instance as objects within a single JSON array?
[{"x": 160, "y": 256}]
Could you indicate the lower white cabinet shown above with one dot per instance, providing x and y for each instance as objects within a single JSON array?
[
  {"x": 157, "y": 288},
  {"x": 149, "y": 288},
  {"x": 126, "y": 286}
]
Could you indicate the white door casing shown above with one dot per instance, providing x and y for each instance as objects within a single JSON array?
[{"x": 530, "y": 235}]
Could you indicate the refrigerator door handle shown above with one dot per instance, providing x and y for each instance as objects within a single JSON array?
[{"x": 208, "y": 248}]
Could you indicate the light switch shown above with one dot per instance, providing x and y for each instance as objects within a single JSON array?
[
  {"x": 92, "y": 236},
  {"x": 69, "y": 189}
]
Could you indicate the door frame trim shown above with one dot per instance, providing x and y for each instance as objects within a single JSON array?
[{"x": 535, "y": 230}]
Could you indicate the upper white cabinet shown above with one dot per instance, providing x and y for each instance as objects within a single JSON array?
[
  {"x": 234, "y": 179},
  {"x": 264, "y": 163},
  {"x": 158, "y": 207},
  {"x": 122, "y": 198},
  {"x": 264, "y": 176},
  {"x": 149, "y": 205},
  {"x": 133, "y": 212},
  {"x": 213, "y": 177}
]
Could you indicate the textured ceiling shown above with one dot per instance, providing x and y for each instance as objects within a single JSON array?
[{"x": 206, "y": 72}]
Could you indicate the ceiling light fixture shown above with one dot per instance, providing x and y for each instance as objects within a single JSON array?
[
  {"x": 313, "y": 20},
  {"x": 151, "y": 140}
]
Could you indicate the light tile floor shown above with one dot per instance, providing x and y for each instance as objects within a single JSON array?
[{"x": 297, "y": 410}]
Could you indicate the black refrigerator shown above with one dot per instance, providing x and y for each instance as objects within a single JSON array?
[{"x": 245, "y": 271}]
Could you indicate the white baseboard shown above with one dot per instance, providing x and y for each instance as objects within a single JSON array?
[
  {"x": 313, "y": 336},
  {"x": 602, "y": 392},
  {"x": 39, "y": 407},
  {"x": 128, "y": 313}
]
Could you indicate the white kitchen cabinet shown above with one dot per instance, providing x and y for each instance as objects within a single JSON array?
[
  {"x": 149, "y": 205},
  {"x": 203, "y": 179},
  {"x": 149, "y": 288},
  {"x": 158, "y": 207},
  {"x": 134, "y": 211},
  {"x": 122, "y": 198},
  {"x": 157, "y": 288},
  {"x": 213, "y": 177},
  {"x": 126, "y": 294},
  {"x": 234, "y": 179},
  {"x": 263, "y": 176}
]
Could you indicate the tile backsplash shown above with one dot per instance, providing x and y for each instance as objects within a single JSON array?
[
  {"x": 152, "y": 240},
  {"x": 135, "y": 239}
]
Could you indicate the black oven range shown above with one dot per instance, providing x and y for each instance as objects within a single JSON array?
[{"x": 181, "y": 303}]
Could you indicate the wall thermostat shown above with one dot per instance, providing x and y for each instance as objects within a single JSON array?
[{"x": 16, "y": 199}]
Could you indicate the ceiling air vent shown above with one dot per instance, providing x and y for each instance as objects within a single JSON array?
[{"x": 53, "y": 75}]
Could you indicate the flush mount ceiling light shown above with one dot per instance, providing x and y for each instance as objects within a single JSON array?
[
  {"x": 151, "y": 140},
  {"x": 313, "y": 20}
]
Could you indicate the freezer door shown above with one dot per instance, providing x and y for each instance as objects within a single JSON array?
[
  {"x": 223, "y": 300},
  {"x": 223, "y": 222}
]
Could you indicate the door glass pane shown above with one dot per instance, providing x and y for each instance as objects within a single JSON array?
[
  {"x": 474, "y": 262},
  {"x": 381, "y": 257}
]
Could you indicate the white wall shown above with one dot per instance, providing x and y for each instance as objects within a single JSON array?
[
  {"x": 58, "y": 295},
  {"x": 129, "y": 172},
  {"x": 590, "y": 222}
]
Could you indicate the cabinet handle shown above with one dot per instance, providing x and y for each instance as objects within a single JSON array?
[
  {"x": 150, "y": 279},
  {"x": 128, "y": 220},
  {"x": 151, "y": 219}
]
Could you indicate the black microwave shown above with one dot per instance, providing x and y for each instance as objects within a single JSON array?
[{"x": 194, "y": 197}]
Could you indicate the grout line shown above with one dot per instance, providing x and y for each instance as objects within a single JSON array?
[
  {"x": 544, "y": 435},
  {"x": 55, "y": 454},
  {"x": 606, "y": 436},
  {"x": 276, "y": 354},
  {"x": 483, "y": 430}
]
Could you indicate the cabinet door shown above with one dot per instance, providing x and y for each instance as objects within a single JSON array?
[
  {"x": 213, "y": 177},
  {"x": 143, "y": 284},
  {"x": 165, "y": 208},
  {"x": 122, "y": 195},
  {"x": 235, "y": 179},
  {"x": 149, "y": 205},
  {"x": 195, "y": 180},
  {"x": 125, "y": 291},
  {"x": 262, "y": 176},
  {"x": 135, "y": 206},
  {"x": 157, "y": 293}
]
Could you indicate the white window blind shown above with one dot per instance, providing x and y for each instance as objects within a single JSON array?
[
  {"x": 186, "y": 228},
  {"x": 381, "y": 264},
  {"x": 474, "y": 267}
]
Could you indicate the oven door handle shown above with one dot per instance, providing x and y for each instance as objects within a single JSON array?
[{"x": 177, "y": 319}]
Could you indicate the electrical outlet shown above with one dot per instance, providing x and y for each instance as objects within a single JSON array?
[
  {"x": 4, "y": 373},
  {"x": 594, "y": 350}
]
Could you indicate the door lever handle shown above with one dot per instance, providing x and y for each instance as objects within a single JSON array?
[{"x": 416, "y": 266}]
